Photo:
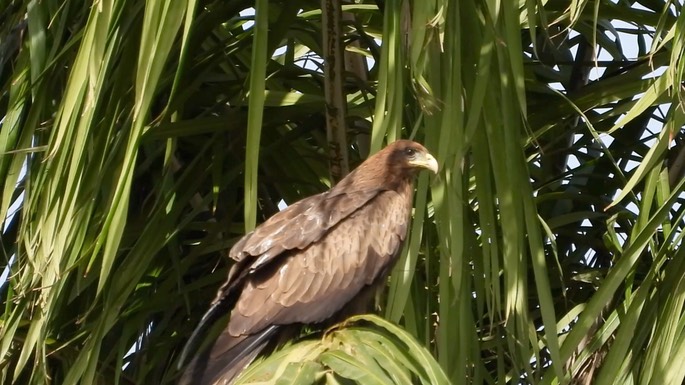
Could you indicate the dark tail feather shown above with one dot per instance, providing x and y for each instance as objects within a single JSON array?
[
  {"x": 227, "y": 358},
  {"x": 213, "y": 313}
]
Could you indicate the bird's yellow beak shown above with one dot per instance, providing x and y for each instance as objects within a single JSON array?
[{"x": 426, "y": 161}]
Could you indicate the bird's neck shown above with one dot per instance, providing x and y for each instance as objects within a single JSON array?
[{"x": 406, "y": 188}]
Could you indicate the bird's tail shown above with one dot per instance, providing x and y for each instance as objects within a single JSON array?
[{"x": 227, "y": 357}]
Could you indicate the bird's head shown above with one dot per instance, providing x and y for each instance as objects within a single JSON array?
[
  {"x": 407, "y": 157},
  {"x": 390, "y": 167}
]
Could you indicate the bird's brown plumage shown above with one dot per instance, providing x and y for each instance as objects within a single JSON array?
[{"x": 308, "y": 262}]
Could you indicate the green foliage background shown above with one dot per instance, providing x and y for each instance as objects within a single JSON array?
[{"x": 140, "y": 139}]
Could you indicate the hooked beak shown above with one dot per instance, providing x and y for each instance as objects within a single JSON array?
[{"x": 427, "y": 161}]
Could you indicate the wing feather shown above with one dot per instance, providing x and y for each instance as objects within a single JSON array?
[
  {"x": 314, "y": 283},
  {"x": 286, "y": 281},
  {"x": 300, "y": 224}
]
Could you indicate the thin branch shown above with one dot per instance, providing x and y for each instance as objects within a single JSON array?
[{"x": 333, "y": 85}]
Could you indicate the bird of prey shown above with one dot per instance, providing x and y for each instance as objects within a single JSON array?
[{"x": 311, "y": 262}]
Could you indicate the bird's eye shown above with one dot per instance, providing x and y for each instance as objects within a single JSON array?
[{"x": 410, "y": 151}]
